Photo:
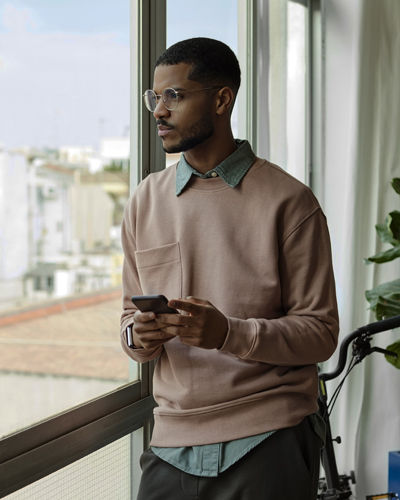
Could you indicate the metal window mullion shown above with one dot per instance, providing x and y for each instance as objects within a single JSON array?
[
  {"x": 247, "y": 43},
  {"x": 309, "y": 142},
  {"x": 148, "y": 41},
  {"x": 261, "y": 61},
  {"x": 314, "y": 100}
]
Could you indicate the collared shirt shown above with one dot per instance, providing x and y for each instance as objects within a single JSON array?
[
  {"x": 209, "y": 460},
  {"x": 231, "y": 170}
]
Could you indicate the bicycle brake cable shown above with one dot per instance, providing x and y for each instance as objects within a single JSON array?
[{"x": 354, "y": 361}]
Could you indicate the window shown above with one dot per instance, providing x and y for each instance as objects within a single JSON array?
[
  {"x": 180, "y": 26},
  {"x": 65, "y": 438},
  {"x": 180, "y": 16},
  {"x": 64, "y": 180},
  {"x": 288, "y": 97},
  {"x": 68, "y": 437}
]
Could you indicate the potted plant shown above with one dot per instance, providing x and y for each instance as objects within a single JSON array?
[{"x": 384, "y": 299}]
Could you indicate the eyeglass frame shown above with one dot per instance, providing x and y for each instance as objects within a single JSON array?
[{"x": 177, "y": 93}]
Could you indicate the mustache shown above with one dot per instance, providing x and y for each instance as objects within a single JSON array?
[{"x": 162, "y": 122}]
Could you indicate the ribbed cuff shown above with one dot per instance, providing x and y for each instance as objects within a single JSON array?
[{"x": 240, "y": 338}]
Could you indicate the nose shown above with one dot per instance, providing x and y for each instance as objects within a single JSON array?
[{"x": 160, "y": 110}]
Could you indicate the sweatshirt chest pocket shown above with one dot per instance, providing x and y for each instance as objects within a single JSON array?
[{"x": 160, "y": 270}]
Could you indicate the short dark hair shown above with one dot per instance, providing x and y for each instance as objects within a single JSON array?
[{"x": 213, "y": 61}]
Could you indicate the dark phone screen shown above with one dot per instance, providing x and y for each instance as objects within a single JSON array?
[{"x": 155, "y": 303}]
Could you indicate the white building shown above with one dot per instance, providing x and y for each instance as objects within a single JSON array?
[
  {"x": 112, "y": 150},
  {"x": 71, "y": 220},
  {"x": 115, "y": 148},
  {"x": 14, "y": 220},
  {"x": 50, "y": 201},
  {"x": 78, "y": 155}
]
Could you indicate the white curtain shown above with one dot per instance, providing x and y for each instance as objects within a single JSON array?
[
  {"x": 360, "y": 115},
  {"x": 362, "y": 154}
]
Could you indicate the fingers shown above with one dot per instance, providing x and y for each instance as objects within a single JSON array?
[
  {"x": 150, "y": 338},
  {"x": 146, "y": 322},
  {"x": 196, "y": 300},
  {"x": 204, "y": 326},
  {"x": 147, "y": 330},
  {"x": 181, "y": 325},
  {"x": 190, "y": 305},
  {"x": 182, "y": 331},
  {"x": 175, "y": 319},
  {"x": 143, "y": 317},
  {"x": 149, "y": 343},
  {"x": 198, "y": 324},
  {"x": 190, "y": 323}
]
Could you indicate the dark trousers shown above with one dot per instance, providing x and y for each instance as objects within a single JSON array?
[{"x": 283, "y": 467}]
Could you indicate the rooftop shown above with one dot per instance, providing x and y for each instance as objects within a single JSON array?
[{"x": 79, "y": 338}]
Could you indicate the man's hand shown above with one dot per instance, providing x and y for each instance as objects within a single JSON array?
[
  {"x": 200, "y": 325},
  {"x": 147, "y": 330}
]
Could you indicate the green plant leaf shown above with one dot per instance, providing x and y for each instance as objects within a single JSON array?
[
  {"x": 384, "y": 299},
  {"x": 386, "y": 307},
  {"x": 393, "y": 360},
  {"x": 385, "y": 234},
  {"x": 387, "y": 290},
  {"x": 396, "y": 184},
  {"x": 393, "y": 220},
  {"x": 386, "y": 256}
]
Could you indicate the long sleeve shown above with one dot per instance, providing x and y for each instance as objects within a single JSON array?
[
  {"x": 131, "y": 286},
  {"x": 307, "y": 332}
]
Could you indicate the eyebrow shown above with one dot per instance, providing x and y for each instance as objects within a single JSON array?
[{"x": 178, "y": 89}]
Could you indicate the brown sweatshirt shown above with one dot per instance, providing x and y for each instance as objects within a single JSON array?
[{"x": 260, "y": 252}]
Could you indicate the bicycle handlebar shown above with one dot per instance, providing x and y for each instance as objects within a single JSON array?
[
  {"x": 370, "y": 329},
  {"x": 380, "y": 326}
]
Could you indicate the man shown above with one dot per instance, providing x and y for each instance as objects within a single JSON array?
[{"x": 242, "y": 250}]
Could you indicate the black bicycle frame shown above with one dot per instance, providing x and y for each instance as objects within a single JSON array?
[{"x": 338, "y": 488}]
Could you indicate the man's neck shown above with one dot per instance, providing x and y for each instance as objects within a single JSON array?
[{"x": 209, "y": 154}]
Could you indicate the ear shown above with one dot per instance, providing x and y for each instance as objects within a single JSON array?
[{"x": 225, "y": 100}]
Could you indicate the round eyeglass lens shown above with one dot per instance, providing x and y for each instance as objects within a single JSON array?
[
  {"x": 150, "y": 100},
  {"x": 170, "y": 98}
]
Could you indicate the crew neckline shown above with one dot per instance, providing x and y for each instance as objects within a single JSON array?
[{"x": 208, "y": 184}]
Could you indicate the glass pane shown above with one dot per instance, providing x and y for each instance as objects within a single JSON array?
[
  {"x": 296, "y": 90},
  {"x": 64, "y": 180},
  {"x": 287, "y": 86},
  {"x": 106, "y": 474},
  {"x": 180, "y": 25}
]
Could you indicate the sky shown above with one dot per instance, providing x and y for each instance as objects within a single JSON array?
[{"x": 64, "y": 65}]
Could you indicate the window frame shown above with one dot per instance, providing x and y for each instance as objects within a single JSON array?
[
  {"x": 47, "y": 446},
  {"x": 43, "y": 448},
  {"x": 248, "y": 29}
]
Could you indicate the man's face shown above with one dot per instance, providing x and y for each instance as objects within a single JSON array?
[{"x": 191, "y": 123}]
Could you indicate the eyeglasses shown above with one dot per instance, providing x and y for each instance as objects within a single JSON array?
[{"x": 170, "y": 98}]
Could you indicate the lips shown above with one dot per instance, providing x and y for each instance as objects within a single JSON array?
[{"x": 163, "y": 130}]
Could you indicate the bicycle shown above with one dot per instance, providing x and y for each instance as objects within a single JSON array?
[{"x": 335, "y": 486}]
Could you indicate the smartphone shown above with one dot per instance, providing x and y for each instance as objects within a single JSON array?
[{"x": 156, "y": 303}]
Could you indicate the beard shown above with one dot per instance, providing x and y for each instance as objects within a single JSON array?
[{"x": 195, "y": 135}]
